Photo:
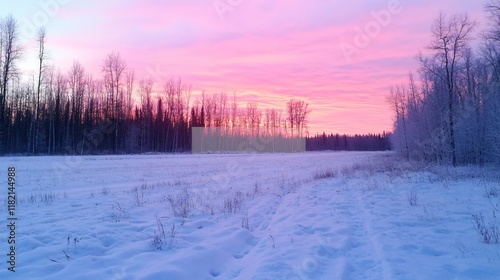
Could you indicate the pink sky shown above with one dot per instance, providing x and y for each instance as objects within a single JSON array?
[{"x": 266, "y": 51}]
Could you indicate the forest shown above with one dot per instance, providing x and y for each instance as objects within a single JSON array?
[
  {"x": 357, "y": 142},
  {"x": 112, "y": 112},
  {"x": 449, "y": 111}
]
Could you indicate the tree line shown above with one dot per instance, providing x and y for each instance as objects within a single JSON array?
[
  {"x": 75, "y": 112},
  {"x": 449, "y": 111},
  {"x": 52, "y": 112},
  {"x": 357, "y": 142}
]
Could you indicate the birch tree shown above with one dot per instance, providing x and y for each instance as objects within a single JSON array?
[{"x": 450, "y": 38}]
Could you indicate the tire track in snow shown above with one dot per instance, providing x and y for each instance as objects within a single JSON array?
[
  {"x": 373, "y": 241},
  {"x": 308, "y": 240},
  {"x": 328, "y": 256},
  {"x": 268, "y": 214}
]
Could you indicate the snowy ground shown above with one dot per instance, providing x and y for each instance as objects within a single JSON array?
[{"x": 284, "y": 216}]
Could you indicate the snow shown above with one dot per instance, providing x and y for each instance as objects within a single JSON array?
[{"x": 262, "y": 216}]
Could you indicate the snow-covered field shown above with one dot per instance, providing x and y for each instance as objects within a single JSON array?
[{"x": 323, "y": 215}]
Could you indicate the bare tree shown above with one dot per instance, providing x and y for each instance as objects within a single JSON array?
[
  {"x": 129, "y": 83},
  {"x": 10, "y": 52},
  {"x": 113, "y": 69},
  {"x": 450, "y": 39},
  {"x": 253, "y": 117},
  {"x": 298, "y": 112},
  {"x": 491, "y": 46},
  {"x": 77, "y": 87},
  {"x": 2, "y": 43},
  {"x": 34, "y": 129},
  {"x": 146, "y": 89},
  {"x": 398, "y": 101},
  {"x": 493, "y": 10},
  {"x": 303, "y": 111},
  {"x": 290, "y": 109}
]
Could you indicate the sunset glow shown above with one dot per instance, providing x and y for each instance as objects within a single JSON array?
[{"x": 339, "y": 56}]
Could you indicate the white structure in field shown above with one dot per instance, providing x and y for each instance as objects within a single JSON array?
[{"x": 214, "y": 140}]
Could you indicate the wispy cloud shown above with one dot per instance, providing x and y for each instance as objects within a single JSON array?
[{"x": 265, "y": 51}]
